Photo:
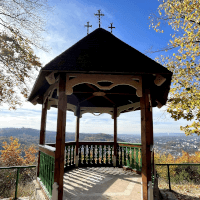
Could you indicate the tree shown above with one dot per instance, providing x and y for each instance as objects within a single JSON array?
[
  {"x": 184, "y": 18},
  {"x": 21, "y": 25},
  {"x": 10, "y": 156}
]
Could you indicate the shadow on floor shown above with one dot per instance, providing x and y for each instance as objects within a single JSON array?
[{"x": 100, "y": 183}]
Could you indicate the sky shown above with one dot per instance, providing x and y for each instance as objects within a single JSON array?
[{"x": 65, "y": 27}]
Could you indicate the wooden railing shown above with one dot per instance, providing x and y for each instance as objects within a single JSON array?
[
  {"x": 130, "y": 154},
  {"x": 46, "y": 168},
  {"x": 90, "y": 154},
  {"x": 70, "y": 154},
  {"x": 96, "y": 153}
]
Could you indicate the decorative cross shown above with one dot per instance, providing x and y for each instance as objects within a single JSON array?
[
  {"x": 111, "y": 27},
  {"x": 99, "y": 16},
  {"x": 88, "y": 27}
]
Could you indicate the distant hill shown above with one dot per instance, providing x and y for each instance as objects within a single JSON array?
[{"x": 28, "y": 136}]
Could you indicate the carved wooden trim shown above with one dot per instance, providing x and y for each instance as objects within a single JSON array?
[
  {"x": 159, "y": 104},
  {"x": 71, "y": 107},
  {"x": 95, "y": 78},
  {"x": 51, "y": 78},
  {"x": 34, "y": 101},
  {"x": 52, "y": 102},
  {"x": 100, "y": 110},
  {"x": 126, "y": 107},
  {"x": 159, "y": 80},
  {"x": 50, "y": 91}
]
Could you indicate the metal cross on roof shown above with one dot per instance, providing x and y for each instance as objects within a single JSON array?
[
  {"x": 88, "y": 27},
  {"x": 99, "y": 16},
  {"x": 111, "y": 27}
]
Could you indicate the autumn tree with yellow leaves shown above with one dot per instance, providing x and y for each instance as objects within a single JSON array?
[
  {"x": 10, "y": 156},
  {"x": 184, "y": 18},
  {"x": 22, "y": 23}
]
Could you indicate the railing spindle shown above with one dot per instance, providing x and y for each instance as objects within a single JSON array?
[
  {"x": 124, "y": 155},
  {"x": 84, "y": 161},
  {"x": 137, "y": 164},
  {"x": 128, "y": 156},
  {"x": 93, "y": 153},
  {"x": 97, "y": 154},
  {"x": 102, "y": 160},
  {"x": 111, "y": 154},
  {"x": 89, "y": 154},
  {"x": 106, "y": 154}
]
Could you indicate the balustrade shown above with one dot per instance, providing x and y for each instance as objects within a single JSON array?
[
  {"x": 47, "y": 160},
  {"x": 70, "y": 154},
  {"x": 90, "y": 154},
  {"x": 129, "y": 154},
  {"x": 96, "y": 153}
]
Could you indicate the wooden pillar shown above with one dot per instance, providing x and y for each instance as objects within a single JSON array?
[
  {"x": 77, "y": 134},
  {"x": 115, "y": 137},
  {"x": 42, "y": 130},
  {"x": 60, "y": 136},
  {"x": 146, "y": 136}
]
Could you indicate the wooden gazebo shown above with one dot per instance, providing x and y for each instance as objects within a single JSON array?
[{"x": 98, "y": 74}]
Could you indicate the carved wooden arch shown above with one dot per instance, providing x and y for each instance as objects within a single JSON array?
[
  {"x": 126, "y": 107},
  {"x": 100, "y": 110},
  {"x": 95, "y": 78}
]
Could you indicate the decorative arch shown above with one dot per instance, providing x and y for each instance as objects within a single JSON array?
[
  {"x": 95, "y": 78},
  {"x": 100, "y": 110}
]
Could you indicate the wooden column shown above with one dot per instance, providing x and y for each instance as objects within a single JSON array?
[
  {"x": 42, "y": 130},
  {"x": 115, "y": 137},
  {"x": 77, "y": 133},
  {"x": 60, "y": 136},
  {"x": 146, "y": 136}
]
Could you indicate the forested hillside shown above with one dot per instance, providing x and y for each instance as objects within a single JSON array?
[{"x": 28, "y": 136}]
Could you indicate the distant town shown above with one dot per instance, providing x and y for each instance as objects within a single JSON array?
[
  {"x": 164, "y": 143},
  {"x": 169, "y": 143}
]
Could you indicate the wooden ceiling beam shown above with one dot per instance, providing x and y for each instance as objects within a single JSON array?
[
  {"x": 109, "y": 100},
  {"x": 105, "y": 92},
  {"x": 86, "y": 99},
  {"x": 91, "y": 86}
]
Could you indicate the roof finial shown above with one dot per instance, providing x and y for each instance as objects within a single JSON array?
[
  {"x": 88, "y": 27},
  {"x": 99, "y": 17},
  {"x": 111, "y": 27}
]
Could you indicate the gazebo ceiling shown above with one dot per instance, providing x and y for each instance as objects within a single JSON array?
[{"x": 101, "y": 53}]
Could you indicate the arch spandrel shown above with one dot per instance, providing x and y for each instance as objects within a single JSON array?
[{"x": 95, "y": 78}]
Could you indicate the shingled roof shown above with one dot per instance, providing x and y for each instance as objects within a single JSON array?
[{"x": 99, "y": 52}]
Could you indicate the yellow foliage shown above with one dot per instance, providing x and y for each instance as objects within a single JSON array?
[
  {"x": 184, "y": 16},
  {"x": 10, "y": 156}
]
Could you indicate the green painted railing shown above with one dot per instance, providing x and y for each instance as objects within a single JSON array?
[
  {"x": 17, "y": 178},
  {"x": 96, "y": 153},
  {"x": 46, "y": 168},
  {"x": 129, "y": 154}
]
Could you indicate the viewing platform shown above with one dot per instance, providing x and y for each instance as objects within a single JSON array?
[{"x": 92, "y": 174}]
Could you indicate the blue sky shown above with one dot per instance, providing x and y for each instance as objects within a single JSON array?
[{"x": 65, "y": 27}]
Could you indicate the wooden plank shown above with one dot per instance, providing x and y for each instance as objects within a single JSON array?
[
  {"x": 130, "y": 145},
  {"x": 115, "y": 131},
  {"x": 60, "y": 136},
  {"x": 96, "y": 143},
  {"x": 42, "y": 131},
  {"x": 77, "y": 129},
  {"x": 146, "y": 136},
  {"x": 47, "y": 151}
]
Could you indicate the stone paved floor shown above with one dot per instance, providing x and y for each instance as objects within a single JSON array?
[{"x": 101, "y": 183}]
